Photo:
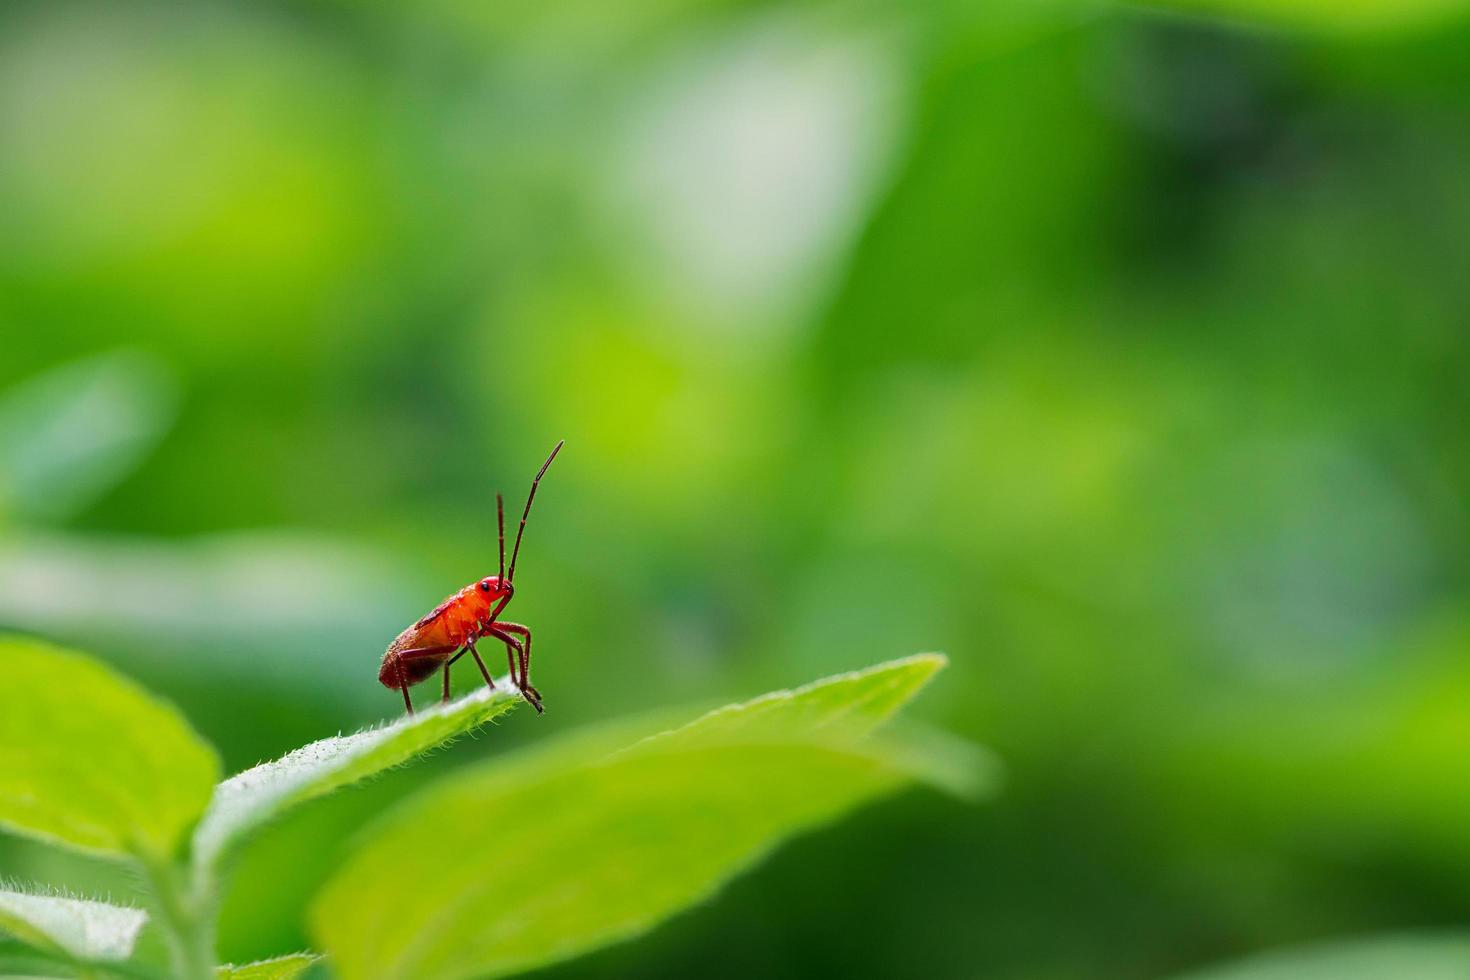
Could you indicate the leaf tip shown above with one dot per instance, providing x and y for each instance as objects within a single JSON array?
[{"x": 934, "y": 661}]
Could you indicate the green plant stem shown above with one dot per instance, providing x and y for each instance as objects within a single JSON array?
[{"x": 186, "y": 915}]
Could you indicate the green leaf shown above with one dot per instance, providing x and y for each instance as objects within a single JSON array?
[
  {"x": 78, "y": 929},
  {"x": 1347, "y": 16},
  {"x": 853, "y": 703},
  {"x": 1422, "y": 957},
  {"x": 93, "y": 761},
  {"x": 280, "y": 968},
  {"x": 554, "y": 852},
  {"x": 68, "y": 436},
  {"x": 244, "y": 802}
]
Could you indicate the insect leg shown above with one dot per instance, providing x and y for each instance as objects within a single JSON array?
[
  {"x": 445, "y": 698},
  {"x": 513, "y": 657},
  {"x": 403, "y": 685},
  {"x": 417, "y": 653},
  {"x": 525, "y": 633},
  {"x": 511, "y": 646},
  {"x": 470, "y": 649},
  {"x": 484, "y": 671},
  {"x": 514, "y": 651}
]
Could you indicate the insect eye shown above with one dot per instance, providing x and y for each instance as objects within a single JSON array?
[{"x": 485, "y": 586}]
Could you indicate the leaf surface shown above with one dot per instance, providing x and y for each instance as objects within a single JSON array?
[
  {"x": 78, "y": 929},
  {"x": 93, "y": 761},
  {"x": 1422, "y": 957},
  {"x": 68, "y": 436},
  {"x": 245, "y": 801},
  {"x": 280, "y": 968},
  {"x": 1337, "y": 16},
  {"x": 551, "y": 853}
]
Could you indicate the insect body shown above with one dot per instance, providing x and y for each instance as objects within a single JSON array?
[{"x": 451, "y": 630}]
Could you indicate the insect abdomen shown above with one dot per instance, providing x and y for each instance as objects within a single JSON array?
[{"x": 414, "y": 670}]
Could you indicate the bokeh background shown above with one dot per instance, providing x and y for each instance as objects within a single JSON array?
[{"x": 1119, "y": 352}]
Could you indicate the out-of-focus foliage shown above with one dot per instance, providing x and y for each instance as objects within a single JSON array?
[
  {"x": 68, "y": 436},
  {"x": 1428, "y": 957},
  {"x": 92, "y": 761},
  {"x": 1115, "y": 351},
  {"x": 79, "y": 930},
  {"x": 1347, "y": 15}
]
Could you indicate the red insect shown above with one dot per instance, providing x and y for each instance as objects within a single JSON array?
[{"x": 447, "y": 633}]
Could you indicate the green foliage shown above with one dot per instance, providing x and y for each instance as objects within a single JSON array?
[
  {"x": 68, "y": 435},
  {"x": 280, "y": 968},
  {"x": 245, "y": 801},
  {"x": 1422, "y": 957},
  {"x": 851, "y": 705},
  {"x": 95, "y": 763},
  {"x": 611, "y": 832},
  {"x": 540, "y": 857},
  {"x": 76, "y": 929},
  {"x": 91, "y": 760},
  {"x": 1117, "y": 348},
  {"x": 1344, "y": 15}
]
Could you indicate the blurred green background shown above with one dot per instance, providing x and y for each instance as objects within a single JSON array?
[{"x": 1119, "y": 352}]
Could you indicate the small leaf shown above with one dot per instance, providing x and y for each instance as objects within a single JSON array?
[
  {"x": 550, "y": 853},
  {"x": 280, "y": 968},
  {"x": 76, "y": 928},
  {"x": 244, "y": 802},
  {"x": 1422, "y": 957},
  {"x": 68, "y": 436},
  {"x": 93, "y": 761}
]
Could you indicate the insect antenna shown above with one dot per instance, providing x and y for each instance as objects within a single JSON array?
[
  {"x": 515, "y": 552},
  {"x": 500, "y": 526}
]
